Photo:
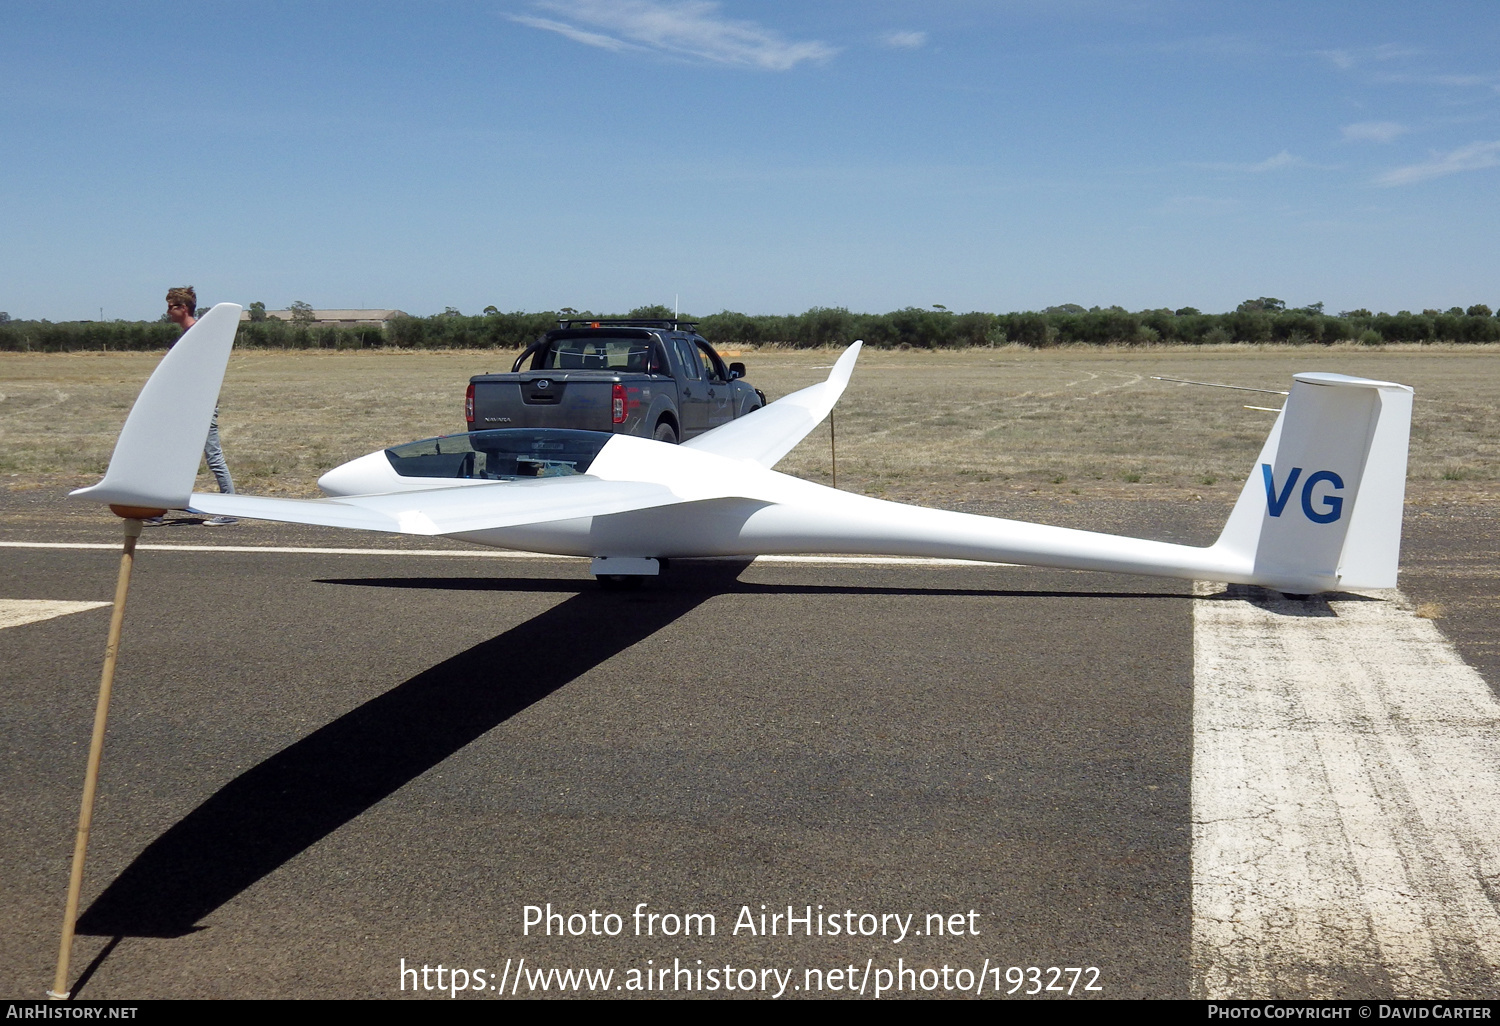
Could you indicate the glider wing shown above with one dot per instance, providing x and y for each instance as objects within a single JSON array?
[
  {"x": 436, "y": 511},
  {"x": 771, "y": 432}
]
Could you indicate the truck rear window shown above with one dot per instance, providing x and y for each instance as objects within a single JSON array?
[
  {"x": 617, "y": 354},
  {"x": 501, "y": 454}
]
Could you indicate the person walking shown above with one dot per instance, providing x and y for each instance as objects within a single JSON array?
[{"x": 182, "y": 309}]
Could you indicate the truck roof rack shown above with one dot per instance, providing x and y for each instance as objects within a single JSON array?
[{"x": 670, "y": 323}]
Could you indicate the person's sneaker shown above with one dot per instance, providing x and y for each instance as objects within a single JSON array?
[
  {"x": 154, "y": 521},
  {"x": 220, "y": 521}
]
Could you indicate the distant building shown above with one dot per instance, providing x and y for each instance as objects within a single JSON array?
[{"x": 339, "y": 318}]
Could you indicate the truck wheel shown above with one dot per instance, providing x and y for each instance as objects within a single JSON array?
[{"x": 664, "y": 433}]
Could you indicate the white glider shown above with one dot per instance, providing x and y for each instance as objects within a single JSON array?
[{"x": 1321, "y": 509}]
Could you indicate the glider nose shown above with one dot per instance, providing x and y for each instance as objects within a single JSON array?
[{"x": 368, "y": 475}]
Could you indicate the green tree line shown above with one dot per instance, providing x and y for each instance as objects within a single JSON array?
[{"x": 1255, "y": 321}]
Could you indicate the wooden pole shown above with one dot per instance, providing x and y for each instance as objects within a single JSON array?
[{"x": 96, "y": 748}]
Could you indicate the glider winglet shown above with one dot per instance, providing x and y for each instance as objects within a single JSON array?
[
  {"x": 156, "y": 458},
  {"x": 768, "y": 434}
]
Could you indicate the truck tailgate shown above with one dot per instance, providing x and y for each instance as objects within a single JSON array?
[{"x": 524, "y": 402}]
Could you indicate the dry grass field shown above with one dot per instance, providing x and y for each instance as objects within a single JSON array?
[{"x": 933, "y": 427}]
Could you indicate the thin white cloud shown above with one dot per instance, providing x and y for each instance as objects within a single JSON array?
[
  {"x": 1341, "y": 59},
  {"x": 1465, "y": 80},
  {"x": 1374, "y": 131},
  {"x": 1279, "y": 162},
  {"x": 1474, "y": 157},
  {"x": 1197, "y": 206},
  {"x": 905, "y": 40},
  {"x": 1344, "y": 60},
  {"x": 1486, "y": 81},
  {"x": 680, "y": 28},
  {"x": 576, "y": 34},
  {"x": 1276, "y": 163}
]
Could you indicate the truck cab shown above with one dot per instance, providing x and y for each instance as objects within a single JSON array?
[{"x": 654, "y": 378}]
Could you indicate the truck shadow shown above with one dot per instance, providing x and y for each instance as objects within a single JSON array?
[{"x": 284, "y": 805}]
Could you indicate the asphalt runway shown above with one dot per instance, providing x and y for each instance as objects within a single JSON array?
[{"x": 322, "y": 765}]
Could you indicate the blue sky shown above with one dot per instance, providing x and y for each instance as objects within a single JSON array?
[{"x": 751, "y": 155}]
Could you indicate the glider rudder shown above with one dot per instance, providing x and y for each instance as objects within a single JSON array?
[{"x": 1322, "y": 506}]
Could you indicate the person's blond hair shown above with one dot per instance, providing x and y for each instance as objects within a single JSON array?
[{"x": 186, "y": 296}]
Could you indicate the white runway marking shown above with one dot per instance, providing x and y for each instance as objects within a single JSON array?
[
  {"x": 479, "y": 553},
  {"x": 14, "y": 612},
  {"x": 1346, "y": 830},
  {"x": 115, "y": 547}
]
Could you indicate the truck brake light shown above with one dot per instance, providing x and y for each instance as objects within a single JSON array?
[
  {"x": 617, "y": 402},
  {"x": 469, "y": 406}
]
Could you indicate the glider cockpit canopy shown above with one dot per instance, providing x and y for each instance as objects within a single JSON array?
[{"x": 500, "y": 454}]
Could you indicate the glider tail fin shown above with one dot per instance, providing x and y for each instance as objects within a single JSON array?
[
  {"x": 156, "y": 457},
  {"x": 1322, "y": 507}
]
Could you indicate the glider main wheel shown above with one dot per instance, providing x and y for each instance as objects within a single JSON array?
[
  {"x": 620, "y": 582},
  {"x": 665, "y": 433}
]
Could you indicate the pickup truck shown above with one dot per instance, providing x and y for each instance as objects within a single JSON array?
[{"x": 654, "y": 378}]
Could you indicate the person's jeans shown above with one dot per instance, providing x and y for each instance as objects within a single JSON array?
[{"x": 214, "y": 453}]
